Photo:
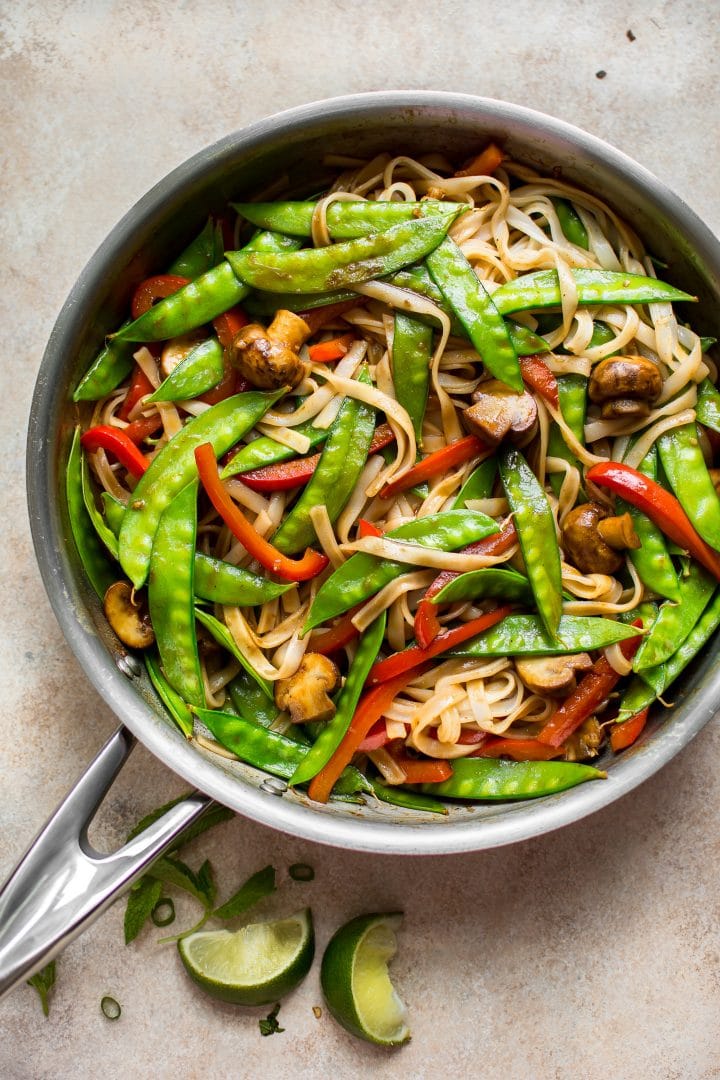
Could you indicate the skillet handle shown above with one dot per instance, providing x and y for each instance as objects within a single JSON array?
[{"x": 62, "y": 884}]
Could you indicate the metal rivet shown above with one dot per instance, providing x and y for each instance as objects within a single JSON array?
[
  {"x": 129, "y": 665},
  {"x": 274, "y": 786}
]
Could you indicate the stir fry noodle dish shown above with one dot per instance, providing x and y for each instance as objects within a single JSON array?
[{"x": 405, "y": 491}]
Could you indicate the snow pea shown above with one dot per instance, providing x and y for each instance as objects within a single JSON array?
[
  {"x": 91, "y": 551},
  {"x": 409, "y": 800},
  {"x": 332, "y": 734},
  {"x": 675, "y": 620},
  {"x": 172, "y": 701},
  {"x": 113, "y": 363},
  {"x": 345, "y": 220},
  {"x": 201, "y": 254},
  {"x": 251, "y": 701},
  {"x": 202, "y": 300},
  {"x": 491, "y": 581},
  {"x": 707, "y": 409},
  {"x": 199, "y": 371},
  {"x": 170, "y": 595},
  {"x": 364, "y": 575},
  {"x": 485, "y": 778},
  {"x": 474, "y": 308},
  {"x": 536, "y": 531},
  {"x": 113, "y": 510},
  {"x": 348, "y": 263},
  {"x": 689, "y": 478},
  {"x": 174, "y": 467},
  {"x": 411, "y": 353},
  {"x": 570, "y": 223},
  {"x": 222, "y": 635},
  {"x": 541, "y": 289},
  {"x": 572, "y": 391},
  {"x": 652, "y": 559},
  {"x": 653, "y": 682},
  {"x": 479, "y": 483},
  {"x": 331, "y": 485},
  {"x": 266, "y": 451},
  {"x": 222, "y": 583},
  {"x": 525, "y": 635},
  {"x": 102, "y": 528}
]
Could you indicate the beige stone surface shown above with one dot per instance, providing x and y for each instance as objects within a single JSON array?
[{"x": 591, "y": 952}]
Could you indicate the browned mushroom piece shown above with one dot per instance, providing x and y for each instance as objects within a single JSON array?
[
  {"x": 268, "y": 358},
  {"x": 305, "y": 694},
  {"x": 551, "y": 676},
  {"x": 619, "y": 532},
  {"x": 625, "y": 386},
  {"x": 498, "y": 412},
  {"x": 127, "y": 613},
  {"x": 584, "y": 743},
  {"x": 584, "y": 546}
]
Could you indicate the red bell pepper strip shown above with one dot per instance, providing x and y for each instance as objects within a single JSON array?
[
  {"x": 228, "y": 325},
  {"x": 659, "y": 505},
  {"x": 421, "y": 770},
  {"x": 290, "y": 474},
  {"x": 540, "y": 378},
  {"x": 448, "y": 639},
  {"x": 438, "y": 462},
  {"x": 142, "y": 428},
  {"x": 256, "y": 545},
  {"x": 518, "y": 750},
  {"x": 376, "y": 737},
  {"x": 327, "y": 351},
  {"x": 318, "y": 317},
  {"x": 140, "y": 387},
  {"x": 340, "y": 634},
  {"x": 366, "y": 528},
  {"x": 370, "y": 709},
  {"x": 589, "y": 694},
  {"x": 427, "y": 626},
  {"x": 625, "y": 734},
  {"x": 116, "y": 442},
  {"x": 155, "y": 288}
]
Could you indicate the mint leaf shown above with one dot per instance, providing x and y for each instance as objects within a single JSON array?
[
  {"x": 142, "y": 899},
  {"x": 43, "y": 981},
  {"x": 255, "y": 888},
  {"x": 172, "y": 871},
  {"x": 270, "y": 1026},
  {"x": 206, "y": 884}
]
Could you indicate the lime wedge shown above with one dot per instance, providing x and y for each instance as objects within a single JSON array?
[
  {"x": 256, "y": 965},
  {"x": 356, "y": 983}
]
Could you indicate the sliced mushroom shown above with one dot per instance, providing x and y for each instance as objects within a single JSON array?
[
  {"x": 619, "y": 532},
  {"x": 498, "y": 412},
  {"x": 585, "y": 742},
  {"x": 552, "y": 676},
  {"x": 305, "y": 694},
  {"x": 176, "y": 350},
  {"x": 585, "y": 547},
  {"x": 127, "y": 613},
  {"x": 626, "y": 386},
  {"x": 269, "y": 358},
  {"x": 715, "y": 477}
]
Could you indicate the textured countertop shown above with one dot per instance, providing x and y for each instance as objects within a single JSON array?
[{"x": 591, "y": 952}]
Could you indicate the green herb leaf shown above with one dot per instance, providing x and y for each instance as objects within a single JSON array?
[
  {"x": 255, "y": 888},
  {"x": 270, "y": 1026},
  {"x": 206, "y": 883},
  {"x": 172, "y": 871},
  {"x": 43, "y": 981},
  {"x": 142, "y": 899}
]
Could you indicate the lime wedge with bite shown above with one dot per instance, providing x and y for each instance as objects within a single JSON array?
[
  {"x": 356, "y": 983},
  {"x": 255, "y": 965}
]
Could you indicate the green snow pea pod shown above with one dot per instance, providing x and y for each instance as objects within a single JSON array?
[
  {"x": 174, "y": 467},
  {"x": 201, "y": 254},
  {"x": 267, "y": 303},
  {"x": 222, "y": 583},
  {"x": 345, "y": 220},
  {"x": 223, "y": 637},
  {"x": 364, "y": 575},
  {"x": 411, "y": 353},
  {"x": 536, "y": 531},
  {"x": 102, "y": 528},
  {"x": 332, "y": 734},
  {"x": 570, "y": 223},
  {"x": 675, "y": 620},
  {"x": 479, "y": 483},
  {"x": 409, "y": 800},
  {"x": 485, "y": 778},
  {"x": 251, "y": 701},
  {"x": 170, "y": 595},
  {"x": 113, "y": 363},
  {"x": 707, "y": 409},
  {"x": 114, "y": 512},
  {"x": 572, "y": 391},
  {"x": 201, "y": 301},
  {"x": 654, "y": 681},
  {"x": 525, "y": 635},
  {"x": 331, "y": 485},
  {"x": 199, "y": 371},
  {"x": 707, "y": 343},
  {"x": 172, "y": 701},
  {"x": 266, "y": 451},
  {"x": 541, "y": 289},
  {"x": 92, "y": 553},
  {"x": 652, "y": 559},
  {"x": 474, "y": 308},
  {"x": 348, "y": 263},
  {"x": 491, "y": 581},
  {"x": 685, "y": 468}
]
